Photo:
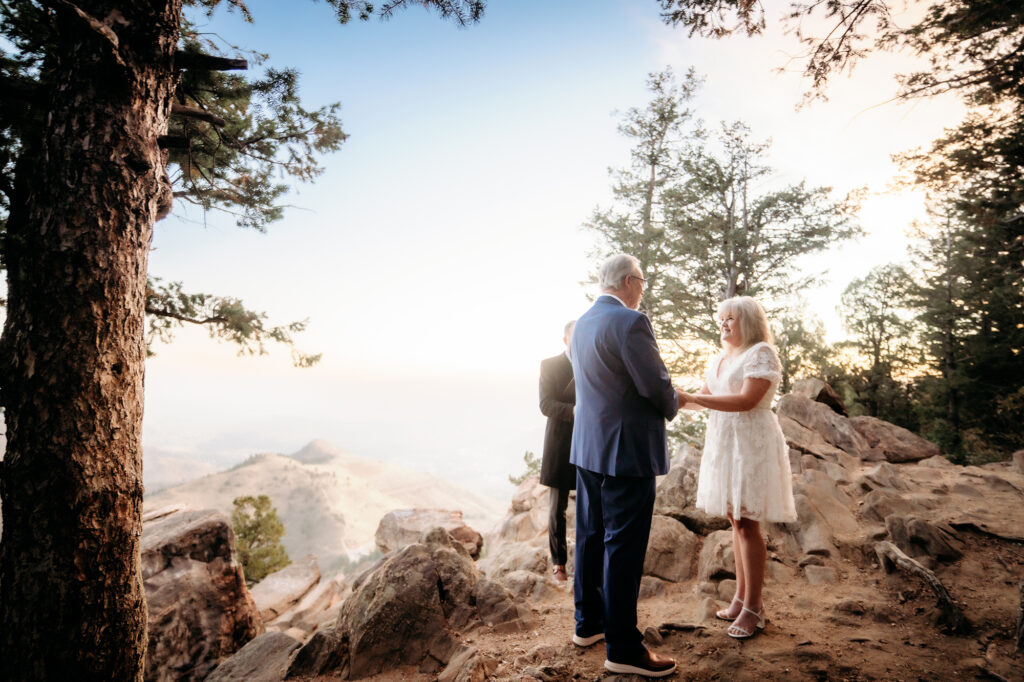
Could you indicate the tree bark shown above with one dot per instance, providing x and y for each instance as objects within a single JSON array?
[{"x": 88, "y": 189}]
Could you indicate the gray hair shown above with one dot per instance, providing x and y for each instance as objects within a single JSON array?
[
  {"x": 616, "y": 269},
  {"x": 568, "y": 328},
  {"x": 753, "y": 321}
]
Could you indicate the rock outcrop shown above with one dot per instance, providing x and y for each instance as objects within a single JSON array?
[
  {"x": 820, "y": 392},
  {"x": 407, "y": 611},
  {"x": 200, "y": 611},
  {"x": 426, "y": 609},
  {"x": 280, "y": 591},
  {"x": 892, "y": 443},
  {"x": 403, "y": 527},
  {"x": 833, "y": 428},
  {"x": 264, "y": 659}
]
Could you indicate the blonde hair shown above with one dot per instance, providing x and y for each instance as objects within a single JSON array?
[{"x": 753, "y": 321}]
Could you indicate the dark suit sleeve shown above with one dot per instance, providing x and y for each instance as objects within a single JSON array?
[
  {"x": 645, "y": 366},
  {"x": 552, "y": 403}
]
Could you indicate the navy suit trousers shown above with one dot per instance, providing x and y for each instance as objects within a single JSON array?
[{"x": 613, "y": 523}]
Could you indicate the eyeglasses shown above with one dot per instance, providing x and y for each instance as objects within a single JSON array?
[{"x": 639, "y": 278}]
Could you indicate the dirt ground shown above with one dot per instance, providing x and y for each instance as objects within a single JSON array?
[{"x": 868, "y": 625}]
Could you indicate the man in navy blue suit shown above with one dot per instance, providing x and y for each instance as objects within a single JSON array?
[{"x": 623, "y": 396}]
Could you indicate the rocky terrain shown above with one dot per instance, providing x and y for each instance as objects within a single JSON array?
[
  {"x": 330, "y": 501},
  {"x": 901, "y": 566}
]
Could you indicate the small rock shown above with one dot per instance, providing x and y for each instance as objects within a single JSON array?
[
  {"x": 706, "y": 589},
  {"x": 851, "y": 606},
  {"x": 651, "y": 587},
  {"x": 707, "y": 609},
  {"x": 820, "y": 575},
  {"x": 726, "y": 589},
  {"x": 652, "y": 636},
  {"x": 1018, "y": 461}
]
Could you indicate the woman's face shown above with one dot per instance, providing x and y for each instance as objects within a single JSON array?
[{"x": 729, "y": 324}]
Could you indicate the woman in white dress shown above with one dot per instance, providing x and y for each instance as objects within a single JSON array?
[{"x": 744, "y": 471}]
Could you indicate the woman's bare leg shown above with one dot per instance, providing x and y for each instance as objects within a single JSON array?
[
  {"x": 738, "y": 599},
  {"x": 752, "y": 554}
]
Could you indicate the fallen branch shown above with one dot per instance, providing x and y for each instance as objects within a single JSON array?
[
  {"x": 890, "y": 556},
  {"x": 666, "y": 628}
]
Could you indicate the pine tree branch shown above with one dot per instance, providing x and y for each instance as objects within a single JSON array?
[
  {"x": 197, "y": 61},
  {"x": 197, "y": 113}
]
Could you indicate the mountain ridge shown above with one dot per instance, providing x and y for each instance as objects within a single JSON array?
[{"x": 329, "y": 500}]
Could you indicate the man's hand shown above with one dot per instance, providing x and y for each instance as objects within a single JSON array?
[{"x": 686, "y": 401}]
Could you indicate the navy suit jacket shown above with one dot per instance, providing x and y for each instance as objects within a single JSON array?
[{"x": 623, "y": 393}]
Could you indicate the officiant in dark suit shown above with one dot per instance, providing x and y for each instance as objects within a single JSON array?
[{"x": 557, "y": 403}]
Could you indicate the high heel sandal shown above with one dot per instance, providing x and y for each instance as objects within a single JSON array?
[
  {"x": 737, "y": 632},
  {"x": 723, "y": 614}
]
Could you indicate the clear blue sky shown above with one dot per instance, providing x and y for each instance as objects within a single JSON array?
[{"x": 441, "y": 251}]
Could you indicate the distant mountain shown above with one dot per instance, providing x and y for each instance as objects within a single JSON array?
[{"x": 330, "y": 501}]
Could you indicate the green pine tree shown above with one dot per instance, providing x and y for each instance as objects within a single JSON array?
[{"x": 258, "y": 534}]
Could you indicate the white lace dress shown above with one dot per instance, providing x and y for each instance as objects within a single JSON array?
[{"x": 744, "y": 471}]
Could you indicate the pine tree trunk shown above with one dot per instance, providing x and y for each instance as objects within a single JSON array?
[{"x": 87, "y": 192}]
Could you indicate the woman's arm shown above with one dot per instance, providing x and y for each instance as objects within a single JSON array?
[
  {"x": 686, "y": 399},
  {"x": 748, "y": 397}
]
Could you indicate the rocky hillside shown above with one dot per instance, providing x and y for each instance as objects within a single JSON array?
[
  {"x": 901, "y": 566},
  {"x": 329, "y": 501}
]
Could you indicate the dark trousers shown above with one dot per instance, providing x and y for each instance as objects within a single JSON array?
[
  {"x": 559, "y": 501},
  {"x": 613, "y": 523}
]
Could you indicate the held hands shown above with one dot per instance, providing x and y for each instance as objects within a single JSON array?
[{"x": 686, "y": 401}]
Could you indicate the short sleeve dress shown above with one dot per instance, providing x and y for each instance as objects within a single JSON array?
[{"x": 744, "y": 471}]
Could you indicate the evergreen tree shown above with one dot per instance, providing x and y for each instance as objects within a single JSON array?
[
  {"x": 875, "y": 314},
  {"x": 800, "y": 341},
  {"x": 728, "y": 237},
  {"x": 110, "y": 111},
  {"x": 636, "y": 223},
  {"x": 690, "y": 213},
  {"x": 973, "y": 46},
  {"x": 532, "y": 463},
  {"x": 258, "y": 533}
]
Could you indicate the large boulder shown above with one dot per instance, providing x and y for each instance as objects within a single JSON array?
[
  {"x": 918, "y": 537},
  {"x": 671, "y": 550},
  {"x": 893, "y": 443},
  {"x": 804, "y": 440},
  {"x": 200, "y": 611},
  {"x": 403, "y": 612},
  {"x": 820, "y": 392},
  {"x": 823, "y": 514},
  {"x": 264, "y": 659},
  {"x": 820, "y": 418},
  {"x": 516, "y": 556},
  {"x": 403, "y": 527},
  {"x": 677, "y": 493},
  {"x": 527, "y": 518},
  {"x": 716, "y": 560},
  {"x": 310, "y": 611},
  {"x": 280, "y": 591}
]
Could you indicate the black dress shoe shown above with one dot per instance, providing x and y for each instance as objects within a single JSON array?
[{"x": 649, "y": 664}]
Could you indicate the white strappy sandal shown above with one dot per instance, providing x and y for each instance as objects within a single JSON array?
[
  {"x": 723, "y": 614},
  {"x": 737, "y": 632}
]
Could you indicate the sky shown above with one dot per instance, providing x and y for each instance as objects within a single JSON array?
[{"x": 442, "y": 249}]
